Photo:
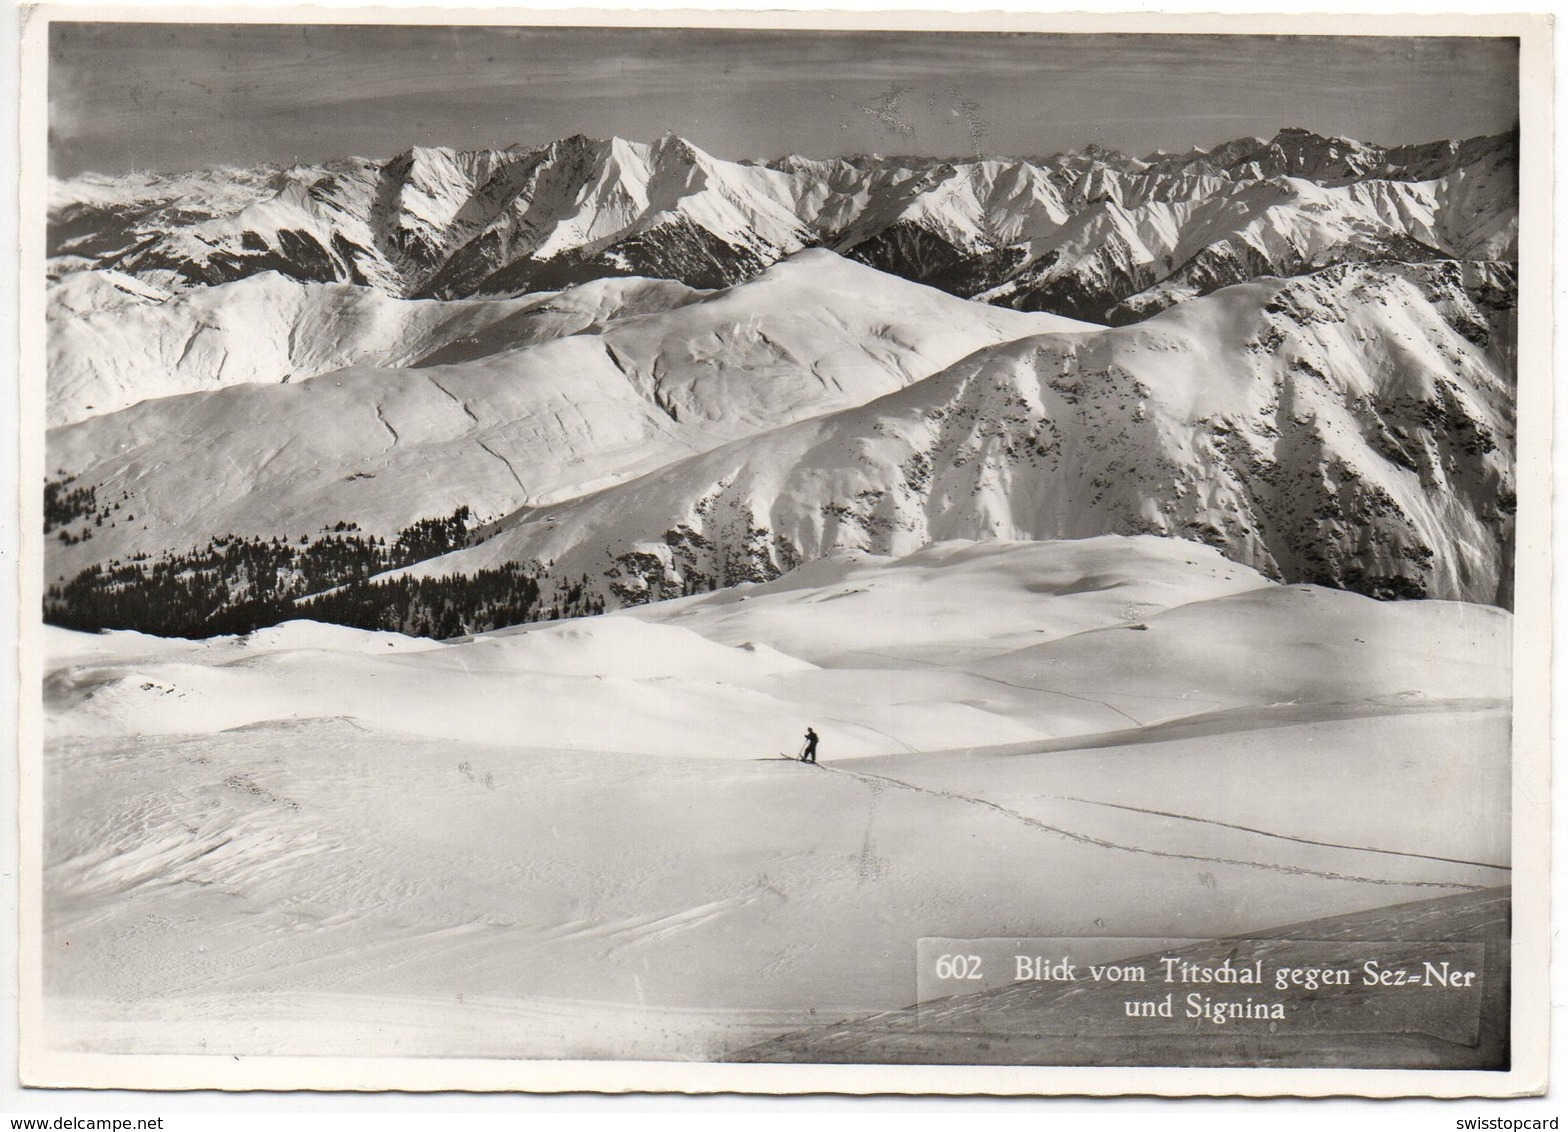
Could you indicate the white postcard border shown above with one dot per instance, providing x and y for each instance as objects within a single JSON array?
[{"x": 43, "y": 1067}]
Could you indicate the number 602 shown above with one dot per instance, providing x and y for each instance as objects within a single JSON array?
[{"x": 958, "y": 967}]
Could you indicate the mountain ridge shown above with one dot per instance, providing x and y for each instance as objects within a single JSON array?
[
  {"x": 552, "y": 401},
  {"x": 1352, "y": 427},
  {"x": 1246, "y": 420},
  {"x": 508, "y": 383},
  {"x": 443, "y": 223}
]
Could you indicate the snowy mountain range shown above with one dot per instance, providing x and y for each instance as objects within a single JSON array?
[
  {"x": 625, "y": 372},
  {"x": 1335, "y": 429},
  {"x": 1093, "y": 235}
]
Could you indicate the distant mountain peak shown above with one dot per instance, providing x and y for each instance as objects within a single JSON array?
[{"x": 1079, "y": 233}]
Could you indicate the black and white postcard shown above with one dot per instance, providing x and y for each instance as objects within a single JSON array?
[{"x": 790, "y": 552}]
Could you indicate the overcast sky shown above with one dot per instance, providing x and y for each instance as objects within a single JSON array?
[{"x": 180, "y": 96}]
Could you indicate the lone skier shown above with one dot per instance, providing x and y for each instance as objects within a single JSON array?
[{"x": 809, "y": 755}]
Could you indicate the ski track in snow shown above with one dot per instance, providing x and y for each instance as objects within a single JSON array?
[
  {"x": 1085, "y": 839},
  {"x": 1258, "y": 717},
  {"x": 1285, "y": 836},
  {"x": 1023, "y": 687},
  {"x": 312, "y": 914},
  {"x": 1068, "y": 695}
]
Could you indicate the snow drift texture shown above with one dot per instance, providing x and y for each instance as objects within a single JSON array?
[{"x": 573, "y": 840}]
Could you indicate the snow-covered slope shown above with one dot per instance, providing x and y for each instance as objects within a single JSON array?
[
  {"x": 1149, "y": 246},
  {"x": 1055, "y": 620},
  {"x": 1075, "y": 233},
  {"x": 637, "y": 371},
  {"x": 315, "y": 840},
  {"x": 1353, "y": 428},
  {"x": 115, "y": 340},
  {"x": 523, "y": 404}
]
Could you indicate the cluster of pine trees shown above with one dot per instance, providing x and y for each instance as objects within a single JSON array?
[
  {"x": 450, "y": 607},
  {"x": 237, "y": 585},
  {"x": 64, "y": 504}
]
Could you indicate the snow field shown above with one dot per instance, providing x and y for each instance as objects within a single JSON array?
[{"x": 575, "y": 839}]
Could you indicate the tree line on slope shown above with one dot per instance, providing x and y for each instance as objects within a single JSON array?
[{"x": 238, "y": 585}]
